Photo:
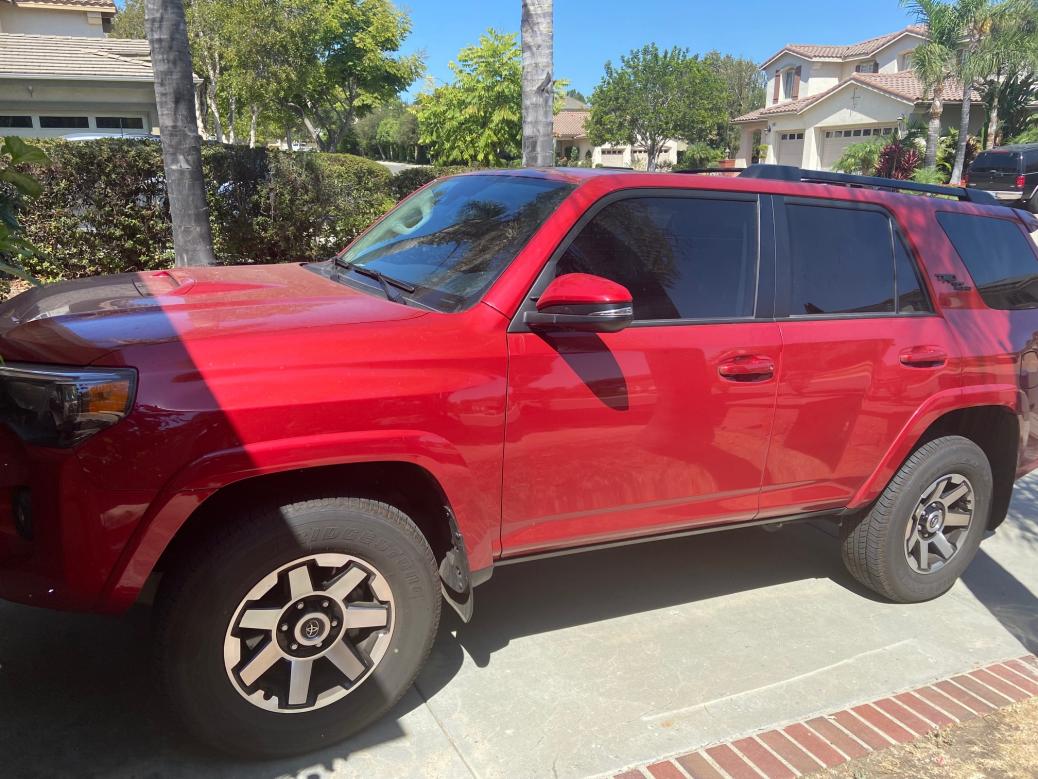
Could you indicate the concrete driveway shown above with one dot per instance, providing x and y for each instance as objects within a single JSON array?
[{"x": 575, "y": 666}]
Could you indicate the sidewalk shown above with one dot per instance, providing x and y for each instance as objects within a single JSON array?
[{"x": 805, "y": 748}]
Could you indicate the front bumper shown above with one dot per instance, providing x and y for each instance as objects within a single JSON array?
[{"x": 76, "y": 529}]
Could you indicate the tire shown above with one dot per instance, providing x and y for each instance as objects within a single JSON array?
[
  {"x": 884, "y": 549},
  {"x": 240, "y": 593}
]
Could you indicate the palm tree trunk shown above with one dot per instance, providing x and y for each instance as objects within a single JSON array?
[
  {"x": 933, "y": 132},
  {"x": 993, "y": 125},
  {"x": 964, "y": 135},
  {"x": 181, "y": 147},
  {"x": 538, "y": 89}
]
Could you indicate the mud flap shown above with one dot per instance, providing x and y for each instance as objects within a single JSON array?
[{"x": 455, "y": 576}]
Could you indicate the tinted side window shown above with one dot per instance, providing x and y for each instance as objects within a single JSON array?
[
  {"x": 1031, "y": 162},
  {"x": 999, "y": 257},
  {"x": 681, "y": 257},
  {"x": 997, "y": 162},
  {"x": 842, "y": 261},
  {"x": 911, "y": 295}
]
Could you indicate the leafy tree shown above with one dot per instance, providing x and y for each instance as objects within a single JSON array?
[
  {"x": 477, "y": 118},
  {"x": 654, "y": 96},
  {"x": 538, "y": 141},
  {"x": 353, "y": 68},
  {"x": 181, "y": 146},
  {"x": 1008, "y": 80},
  {"x": 860, "y": 158},
  {"x": 129, "y": 20},
  {"x": 389, "y": 132},
  {"x": 745, "y": 91}
]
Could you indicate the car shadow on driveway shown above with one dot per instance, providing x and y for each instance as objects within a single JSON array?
[{"x": 78, "y": 699}]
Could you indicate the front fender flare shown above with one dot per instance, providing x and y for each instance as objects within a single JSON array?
[{"x": 477, "y": 517}]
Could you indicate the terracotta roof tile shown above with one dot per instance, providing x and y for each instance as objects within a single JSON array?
[
  {"x": 904, "y": 85},
  {"x": 850, "y": 51},
  {"x": 569, "y": 124}
]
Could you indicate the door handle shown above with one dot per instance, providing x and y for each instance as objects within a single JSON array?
[
  {"x": 924, "y": 357},
  {"x": 747, "y": 367}
]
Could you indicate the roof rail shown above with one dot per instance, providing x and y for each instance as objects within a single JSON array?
[{"x": 793, "y": 173}]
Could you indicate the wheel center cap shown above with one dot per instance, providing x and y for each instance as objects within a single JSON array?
[
  {"x": 312, "y": 629},
  {"x": 933, "y": 519}
]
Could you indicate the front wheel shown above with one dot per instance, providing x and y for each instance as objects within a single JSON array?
[
  {"x": 293, "y": 627},
  {"x": 925, "y": 528}
]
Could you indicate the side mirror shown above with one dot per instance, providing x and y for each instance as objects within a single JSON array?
[{"x": 580, "y": 301}]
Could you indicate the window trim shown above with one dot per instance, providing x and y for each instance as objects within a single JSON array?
[
  {"x": 765, "y": 291},
  {"x": 784, "y": 263}
]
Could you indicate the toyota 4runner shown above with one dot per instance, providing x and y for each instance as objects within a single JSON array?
[{"x": 308, "y": 458}]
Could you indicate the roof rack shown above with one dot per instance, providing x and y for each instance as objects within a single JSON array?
[{"x": 793, "y": 173}]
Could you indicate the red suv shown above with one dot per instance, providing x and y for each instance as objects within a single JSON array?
[{"x": 507, "y": 365}]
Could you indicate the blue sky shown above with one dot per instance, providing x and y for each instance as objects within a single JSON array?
[{"x": 589, "y": 33}]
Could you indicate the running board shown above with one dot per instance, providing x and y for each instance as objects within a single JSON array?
[{"x": 834, "y": 514}]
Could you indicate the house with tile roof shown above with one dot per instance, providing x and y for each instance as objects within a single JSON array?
[
  {"x": 60, "y": 74},
  {"x": 571, "y": 141},
  {"x": 822, "y": 98}
]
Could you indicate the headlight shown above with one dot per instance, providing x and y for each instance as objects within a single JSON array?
[{"x": 52, "y": 406}]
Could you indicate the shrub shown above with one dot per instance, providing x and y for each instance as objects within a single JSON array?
[
  {"x": 860, "y": 158},
  {"x": 898, "y": 159},
  {"x": 929, "y": 176},
  {"x": 104, "y": 209},
  {"x": 409, "y": 179},
  {"x": 699, "y": 155},
  {"x": 946, "y": 148}
]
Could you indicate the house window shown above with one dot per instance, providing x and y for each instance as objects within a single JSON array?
[
  {"x": 119, "y": 123},
  {"x": 15, "y": 121},
  {"x": 888, "y": 130},
  {"x": 866, "y": 132},
  {"x": 64, "y": 122},
  {"x": 787, "y": 83}
]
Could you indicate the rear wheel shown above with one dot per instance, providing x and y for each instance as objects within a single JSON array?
[
  {"x": 924, "y": 530},
  {"x": 293, "y": 627}
]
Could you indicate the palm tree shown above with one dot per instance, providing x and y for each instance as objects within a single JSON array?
[
  {"x": 538, "y": 89},
  {"x": 181, "y": 146},
  {"x": 934, "y": 62},
  {"x": 975, "y": 17}
]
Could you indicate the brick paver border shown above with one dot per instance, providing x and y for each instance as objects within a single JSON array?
[{"x": 804, "y": 748}]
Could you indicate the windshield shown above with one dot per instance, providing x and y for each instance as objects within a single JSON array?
[{"x": 453, "y": 238}]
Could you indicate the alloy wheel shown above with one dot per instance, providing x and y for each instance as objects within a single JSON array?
[
  {"x": 939, "y": 524},
  {"x": 309, "y": 633}
]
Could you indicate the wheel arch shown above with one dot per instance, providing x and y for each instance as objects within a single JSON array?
[
  {"x": 993, "y": 426},
  {"x": 183, "y": 519}
]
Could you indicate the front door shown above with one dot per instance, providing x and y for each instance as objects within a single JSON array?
[{"x": 662, "y": 425}]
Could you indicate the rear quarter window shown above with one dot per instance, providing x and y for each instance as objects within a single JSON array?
[{"x": 999, "y": 256}]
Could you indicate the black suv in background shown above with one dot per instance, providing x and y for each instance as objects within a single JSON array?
[{"x": 1010, "y": 173}]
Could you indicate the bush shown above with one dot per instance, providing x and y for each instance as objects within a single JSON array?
[
  {"x": 929, "y": 176},
  {"x": 898, "y": 159},
  {"x": 947, "y": 145},
  {"x": 409, "y": 179},
  {"x": 104, "y": 208},
  {"x": 699, "y": 155},
  {"x": 860, "y": 158}
]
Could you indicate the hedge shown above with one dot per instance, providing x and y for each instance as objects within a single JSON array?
[{"x": 104, "y": 209}]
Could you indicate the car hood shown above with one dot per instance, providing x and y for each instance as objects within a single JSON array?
[{"x": 76, "y": 322}]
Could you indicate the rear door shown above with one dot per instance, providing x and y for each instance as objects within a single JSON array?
[
  {"x": 664, "y": 424},
  {"x": 861, "y": 349}
]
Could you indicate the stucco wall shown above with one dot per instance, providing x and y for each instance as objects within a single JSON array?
[
  {"x": 38, "y": 21},
  {"x": 77, "y": 99}
]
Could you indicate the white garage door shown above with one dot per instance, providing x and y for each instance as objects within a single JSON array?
[
  {"x": 791, "y": 149},
  {"x": 835, "y": 142}
]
